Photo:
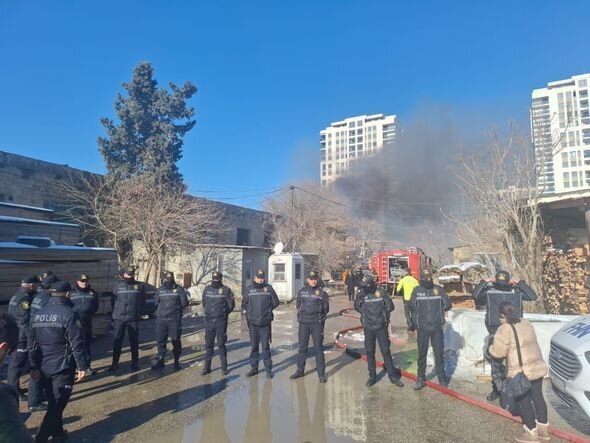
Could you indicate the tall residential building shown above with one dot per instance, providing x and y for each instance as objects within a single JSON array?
[
  {"x": 345, "y": 142},
  {"x": 560, "y": 122}
]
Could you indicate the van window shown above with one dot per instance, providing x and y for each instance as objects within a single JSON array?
[{"x": 297, "y": 271}]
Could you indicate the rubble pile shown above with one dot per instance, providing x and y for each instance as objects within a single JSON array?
[{"x": 565, "y": 274}]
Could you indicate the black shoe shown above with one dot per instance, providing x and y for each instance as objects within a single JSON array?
[
  {"x": 224, "y": 371},
  {"x": 113, "y": 367},
  {"x": 397, "y": 382},
  {"x": 60, "y": 438},
  {"x": 370, "y": 382},
  {"x": 296, "y": 375},
  {"x": 269, "y": 374},
  {"x": 493, "y": 396},
  {"x": 323, "y": 379},
  {"x": 38, "y": 408},
  {"x": 252, "y": 372},
  {"x": 158, "y": 365},
  {"x": 419, "y": 384},
  {"x": 444, "y": 383},
  {"x": 176, "y": 365},
  {"x": 134, "y": 367},
  {"x": 206, "y": 371}
]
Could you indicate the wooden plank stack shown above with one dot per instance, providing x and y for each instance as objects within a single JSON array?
[{"x": 565, "y": 274}]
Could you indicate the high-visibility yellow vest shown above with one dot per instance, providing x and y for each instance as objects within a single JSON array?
[{"x": 406, "y": 286}]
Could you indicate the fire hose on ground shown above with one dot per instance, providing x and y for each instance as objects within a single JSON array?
[{"x": 564, "y": 435}]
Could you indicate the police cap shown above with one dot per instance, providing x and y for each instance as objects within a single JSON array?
[
  {"x": 260, "y": 273},
  {"x": 216, "y": 275},
  {"x": 84, "y": 277},
  {"x": 169, "y": 275},
  {"x": 30, "y": 279},
  {"x": 61, "y": 286},
  {"x": 312, "y": 275},
  {"x": 46, "y": 274},
  {"x": 426, "y": 275}
]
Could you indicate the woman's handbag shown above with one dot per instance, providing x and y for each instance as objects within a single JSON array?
[{"x": 515, "y": 387}]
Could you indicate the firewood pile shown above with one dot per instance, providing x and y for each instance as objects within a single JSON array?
[{"x": 565, "y": 274}]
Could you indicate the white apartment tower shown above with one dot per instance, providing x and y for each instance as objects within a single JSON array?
[
  {"x": 560, "y": 122},
  {"x": 346, "y": 141}
]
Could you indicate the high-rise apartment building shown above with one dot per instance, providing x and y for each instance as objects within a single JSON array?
[
  {"x": 560, "y": 122},
  {"x": 345, "y": 142}
]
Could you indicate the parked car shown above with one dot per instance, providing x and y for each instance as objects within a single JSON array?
[{"x": 569, "y": 363}]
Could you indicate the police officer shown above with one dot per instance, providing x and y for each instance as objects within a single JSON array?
[
  {"x": 170, "y": 301},
  {"x": 258, "y": 302},
  {"x": 85, "y": 303},
  {"x": 218, "y": 302},
  {"x": 12, "y": 428},
  {"x": 312, "y": 308},
  {"x": 428, "y": 305},
  {"x": 56, "y": 349},
  {"x": 405, "y": 287},
  {"x": 492, "y": 295},
  {"x": 128, "y": 297},
  {"x": 375, "y": 307},
  {"x": 19, "y": 308}
]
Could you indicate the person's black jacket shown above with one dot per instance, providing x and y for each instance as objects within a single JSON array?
[
  {"x": 218, "y": 301},
  {"x": 491, "y": 295},
  {"x": 84, "y": 302},
  {"x": 312, "y": 305},
  {"x": 375, "y": 308},
  {"x": 19, "y": 308},
  {"x": 352, "y": 281},
  {"x": 128, "y": 296},
  {"x": 258, "y": 303},
  {"x": 12, "y": 429},
  {"x": 170, "y": 300},
  {"x": 40, "y": 300},
  {"x": 56, "y": 342},
  {"x": 427, "y": 307}
]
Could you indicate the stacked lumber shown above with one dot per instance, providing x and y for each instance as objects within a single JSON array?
[{"x": 565, "y": 274}]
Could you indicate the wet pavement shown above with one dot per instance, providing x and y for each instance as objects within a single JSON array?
[{"x": 166, "y": 406}]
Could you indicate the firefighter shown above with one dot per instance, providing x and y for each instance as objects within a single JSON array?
[
  {"x": 218, "y": 302},
  {"x": 491, "y": 295},
  {"x": 128, "y": 297},
  {"x": 19, "y": 308},
  {"x": 428, "y": 305},
  {"x": 405, "y": 287},
  {"x": 312, "y": 308},
  {"x": 375, "y": 308},
  {"x": 258, "y": 302},
  {"x": 56, "y": 349},
  {"x": 85, "y": 303},
  {"x": 170, "y": 300}
]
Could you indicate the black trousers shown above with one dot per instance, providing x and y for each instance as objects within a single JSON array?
[
  {"x": 498, "y": 369},
  {"x": 260, "y": 338},
  {"x": 407, "y": 313},
  {"x": 132, "y": 328},
  {"x": 533, "y": 406},
  {"x": 316, "y": 331},
  {"x": 436, "y": 339},
  {"x": 87, "y": 333},
  {"x": 59, "y": 389},
  {"x": 382, "y": 337},
  {"x": 19, "y": 365},
  {"x": 216, "y": 331},
  {"x": 172, "y": 329}
]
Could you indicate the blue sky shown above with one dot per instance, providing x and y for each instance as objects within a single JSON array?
[{"x": 272, "y": 74}]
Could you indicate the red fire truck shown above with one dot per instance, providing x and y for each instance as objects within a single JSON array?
[{"x": 390, "y": 266}]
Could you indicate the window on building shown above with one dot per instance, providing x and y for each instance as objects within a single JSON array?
[
  {"x": 297, "y": 271},
  {"x": 350, "y": 133},
  {"x": 374, "y": 144},
  {"x": 584, "y": 93},
  {"x": 243, "y": 237},
  {"x": 350, "y": 141},
  {"x": 359, "y": 139},
  {"x": 575, "y": 180},
  {"x": 278, "y": 272},
  {"x": 564, "y": 160},
  {"x": 583, "y": 83},
  {"x": 351, "y": 124},
  {"x": 566, "y": 179},
  {"x": 359, "y": 131},
  {"x": 587, "y": 178},
  {"x": 359, "y": 123},
  {"x": 573, "y": 159}
]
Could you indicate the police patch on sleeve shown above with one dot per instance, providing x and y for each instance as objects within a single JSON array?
[
  {"x": 79, "y": 324},
  {"x": 220, "y": 290},
  {"x": 318, "y": 292},
  {"x": 265, "y": 289},
  {"x": 435, "y": 291},
  {"x": 378, "y": 293},
  {"x": 25, "y": 305}
]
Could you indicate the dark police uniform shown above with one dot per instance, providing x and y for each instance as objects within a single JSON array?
[
  {"x": 128, "y": 297},
  {"x": 56, "y": 348},
  {"x": 259, "y": 301},
  {"x": 19, "y": 308},
  {"x": 218, "y": 301},
  {"x": 375, "y": 308},
  {"x": 170, "y": 301},
  {"x": 85, "y": 304},
  {"x": 312, "y": 308},
  {"x": 491, "y": 296},
  {"x": 428, "y": 304}
]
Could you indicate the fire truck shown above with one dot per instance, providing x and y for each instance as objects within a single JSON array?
[{"x": 390, "y": 266}]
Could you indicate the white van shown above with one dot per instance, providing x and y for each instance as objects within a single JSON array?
[{"x": 569, "y": 363}]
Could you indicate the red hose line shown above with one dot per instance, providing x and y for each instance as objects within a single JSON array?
[{"x": 564, "y": 435}]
